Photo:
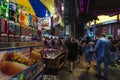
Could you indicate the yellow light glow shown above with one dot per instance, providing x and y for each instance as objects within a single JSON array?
[{"x": 104, "y": 18}]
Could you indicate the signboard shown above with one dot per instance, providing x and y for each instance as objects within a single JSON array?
[{"x": 44, "y": 23}]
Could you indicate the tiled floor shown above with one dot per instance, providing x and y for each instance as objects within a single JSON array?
[{"x": 81, "y": 72}]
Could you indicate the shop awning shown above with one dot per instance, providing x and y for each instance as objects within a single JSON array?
[
  {"x": 27, "y": 5},
  {"x": 50, "y": 5},
  {"x": 39, "y": 8}
]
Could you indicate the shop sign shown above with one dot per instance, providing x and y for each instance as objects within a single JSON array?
[
  {"x": 44, "y": 22},
  {"x": 109, "y": 22}
]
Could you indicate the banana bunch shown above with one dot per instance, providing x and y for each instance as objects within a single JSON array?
[{"x": 20, "y": 59}]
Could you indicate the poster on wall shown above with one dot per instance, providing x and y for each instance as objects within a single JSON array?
[
  {"x": 56, "y": 19},
  {"x": 3, "y": 76},
  {"x": 13, "y": 59}
]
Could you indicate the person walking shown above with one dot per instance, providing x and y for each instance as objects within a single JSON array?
[
  {"x": 102, "y": 52},
  {"x": 72, "y": 53},
  {"x": 113, "y": 53},
  {"x": 89, "y": 51}
]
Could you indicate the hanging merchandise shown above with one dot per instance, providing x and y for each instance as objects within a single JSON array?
[
  {"x": 12, "y": 6},
  {"x": 34, "y": 34},
  {"x": 29, "y": 34},
  {"x": 30, "y": 20},
  {"x": 17, "y": 13},
  {"x": 26, "y": 18},
  {"x": 4, "y": 8},
  {"x": 22, "y": 17},
  {"x": 22, "y": 30},
  {"x": 25, "y": 33},
  {"x": 11, "y": 15},
  {"x": 35, "y": 21},
  {"x": 11, "y": 26},
  {"x": 4, "y": 30},
  {"x": 39, "y": 35},
  {"x": 12, "y": 20},
  {"x": 4, "y": 25},
  {"x": 12, "y": 10},
  {"x": 29, "y": 31},
  {"x": 17, "y": 32},
  {"x": 11, "y": 31}
]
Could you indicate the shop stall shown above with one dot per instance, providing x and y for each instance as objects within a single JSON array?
[
  {"x": 53, "y": 58},
  {"x": 20, "y": 58}
]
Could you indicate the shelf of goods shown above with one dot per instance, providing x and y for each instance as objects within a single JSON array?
[
  {"x": 53, "y": 58},
  {"x": 21, "y": 60}
]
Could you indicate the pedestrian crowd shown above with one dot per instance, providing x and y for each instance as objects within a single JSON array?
[{"x": 102, "y": 50}]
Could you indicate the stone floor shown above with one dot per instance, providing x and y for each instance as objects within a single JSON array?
[{"x": 81, "y": 72}]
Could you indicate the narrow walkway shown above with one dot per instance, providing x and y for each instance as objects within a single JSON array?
[{"x": 81, "y": 72}]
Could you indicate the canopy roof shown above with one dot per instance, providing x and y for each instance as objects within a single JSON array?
[{"x": 27, "y": 5}]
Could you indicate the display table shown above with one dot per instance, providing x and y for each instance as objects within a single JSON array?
[{"x": 54, "y": 59}]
